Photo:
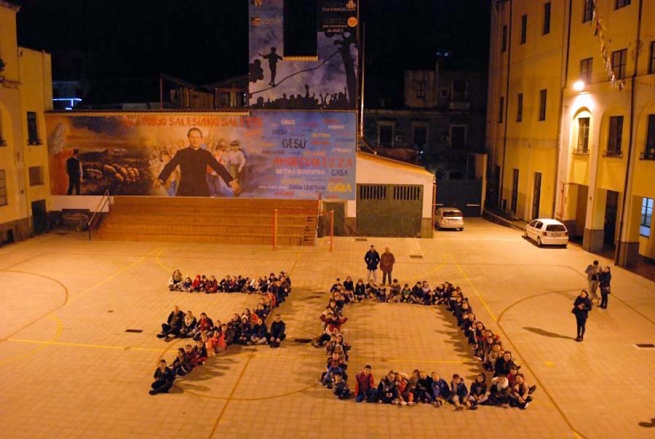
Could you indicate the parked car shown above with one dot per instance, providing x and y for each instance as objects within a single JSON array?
[
  {"x": 547, "y": 231},
  {"x": 449, "y": 218}
]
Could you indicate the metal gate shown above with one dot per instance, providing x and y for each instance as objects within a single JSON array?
[
  {"x": 466, "y": 195},
  {"x": 389, "y": 210}
]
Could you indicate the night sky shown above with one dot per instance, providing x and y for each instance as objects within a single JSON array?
[{"x": 204, "y": 41}]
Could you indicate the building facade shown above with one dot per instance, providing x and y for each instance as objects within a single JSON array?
[
  {"x": 571, "y": 118},
  {"x": 25, "y": 94}
]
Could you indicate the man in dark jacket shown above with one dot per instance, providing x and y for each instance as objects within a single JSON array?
[
  {"x": 164, "y": 379},
  {"x": 386, "y": 265},
  {"x": 193, "y": 162},
  {"x": 74, "y": 171},
  {"x": 372, "y": 259}
]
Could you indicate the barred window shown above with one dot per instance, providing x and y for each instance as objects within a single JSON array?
[
  {"x": 407, "y": 193},
  {"x": 372, "y": 192}
]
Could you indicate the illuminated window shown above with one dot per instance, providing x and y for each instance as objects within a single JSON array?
[
  {"x": 620, "y": 63},
  {"x": 546, "y": 29},
  {"x": 583, "y": 135},
  {"x": 543, "y": 96},
  {"x": 615, "y": 137},
  {"x": 586, "y": 66},
  {"x": 646, "y": 216},
  {"x": 421, "y": 85},
  {"x": 524, "y": 29}
]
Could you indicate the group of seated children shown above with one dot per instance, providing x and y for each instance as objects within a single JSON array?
[
  {"x": 421, "y": 293},
  {"x": 211, "y": 338},
  {"x": 280, "y": 284},
  {"x": 507, "y": 388}
]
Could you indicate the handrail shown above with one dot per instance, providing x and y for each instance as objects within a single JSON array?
[{"x": 101, "y": 205}]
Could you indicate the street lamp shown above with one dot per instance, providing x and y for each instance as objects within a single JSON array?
[{"x": 578, "y": 85}]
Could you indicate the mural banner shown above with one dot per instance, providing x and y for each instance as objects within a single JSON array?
[{"x": 263, "y": 154}]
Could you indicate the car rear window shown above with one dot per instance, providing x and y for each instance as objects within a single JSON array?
[
  {"x": 452, "y": 213},
  {"x": 555, "y": 228}
]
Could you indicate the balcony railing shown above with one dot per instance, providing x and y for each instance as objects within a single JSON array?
[
  {"x": 647, "y": 155},
  {"x": 613, "y": 154},
  {"x": 581, "y": 151}
]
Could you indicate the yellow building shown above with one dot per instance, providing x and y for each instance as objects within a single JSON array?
[
  {"x": 25, "y": 94},
  {"x": 571, "y": 118}
]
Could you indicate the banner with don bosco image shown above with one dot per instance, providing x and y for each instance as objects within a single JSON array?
[{"x": 272, "y": 154}]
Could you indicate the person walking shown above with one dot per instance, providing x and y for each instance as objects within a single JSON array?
[
  {"x": 593, "y": 270},
  {"x": 604, "y": 280},
  {"x": 581, "y": 308},
  {"x": 386, "y": 265},
  {"x": 372, "y": 259}
]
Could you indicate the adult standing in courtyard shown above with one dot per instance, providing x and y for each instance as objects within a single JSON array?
[
  {"x": 386, "y": 265},
  {"x": 581, "y": 308},
  {"x": 593, "y": 270},
  {"x": 193, "y": 162},
  {"x": 372, "y": 259},
  {"x": 604, "y": 280}
]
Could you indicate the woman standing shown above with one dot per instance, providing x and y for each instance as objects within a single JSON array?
[
  {"x": 605, "y": 278},
  {"x": 581, "y": 308}
]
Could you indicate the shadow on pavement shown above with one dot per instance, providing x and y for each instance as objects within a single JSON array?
[{"x": 545, "y": 333}]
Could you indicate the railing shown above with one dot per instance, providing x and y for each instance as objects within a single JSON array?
[{"x": 96, "y": 217}]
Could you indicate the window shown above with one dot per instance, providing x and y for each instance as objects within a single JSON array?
[
  {"x": 458, "y": 136},
  {"x": 615, "y": 137},
  {"x": 3, "y": 142},
  {"x": 588, "y": 12},
  {"x": 543, "y": 96},
  {"x": 586, "y": 66},
  {"x": 515, "y": 190},
  {"x": 3, "y": 188},
  {"x": 459, "y": 90},
  {"x": 524, "y": 28},
  {"x": 646, "y": 216},
  {"x": 618, "y": 4},
  {"x": 651, "y": 60},
  {"x": 420, "y": 136},
  {"x": 619, "y": 63},
  {"x": 32, "y": 131},
  {"x": 300, "y": 28},
  {"x": 36, "y": 175},
  {"x": 385, "y": 135},
  {"x": 519, "y": 107},
  {"x": 649, "y": 150},
  {"x": 421, "y": 85},
  {"x": 546, "y": 29},
  {"x": 583, "y": 135},
  {"x": 503, "y": 45},
  {"x": 501, "y": 107}
]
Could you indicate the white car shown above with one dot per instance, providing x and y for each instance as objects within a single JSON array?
[
  {"x": 547, "y": 232},
  {"x": 449, "y": 218}
]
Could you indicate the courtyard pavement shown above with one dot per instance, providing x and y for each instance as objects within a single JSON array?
[{"x": 70, "y": 369}]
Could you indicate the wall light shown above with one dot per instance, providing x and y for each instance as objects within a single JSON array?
[{"x": 578, "y": 85}]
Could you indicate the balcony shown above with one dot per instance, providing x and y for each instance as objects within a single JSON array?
[
  {"x": 647, "y": 155},
  {"x": 581, "y": 151},
  {"x": 613, "y": 154}
]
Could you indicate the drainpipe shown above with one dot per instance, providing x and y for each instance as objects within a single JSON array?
[
  {"x": 509, "y": 58},
  {"x": 561, "y": 114},
  {"x": 617, "y": 251}
]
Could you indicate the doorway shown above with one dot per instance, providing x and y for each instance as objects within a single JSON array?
[
  {"x": 536, "y": 195},
  {"x": 611, "y": 209}
]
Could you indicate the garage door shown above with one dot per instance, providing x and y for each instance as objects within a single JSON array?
[{"x": 389, "y": 210}]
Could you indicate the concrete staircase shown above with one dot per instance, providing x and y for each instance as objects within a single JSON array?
[{"x": 223, "y": 220}]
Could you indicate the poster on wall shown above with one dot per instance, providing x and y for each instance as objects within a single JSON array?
[
  {"x": 324, "y": 80},
  {"x": 265, "y": 154}
]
